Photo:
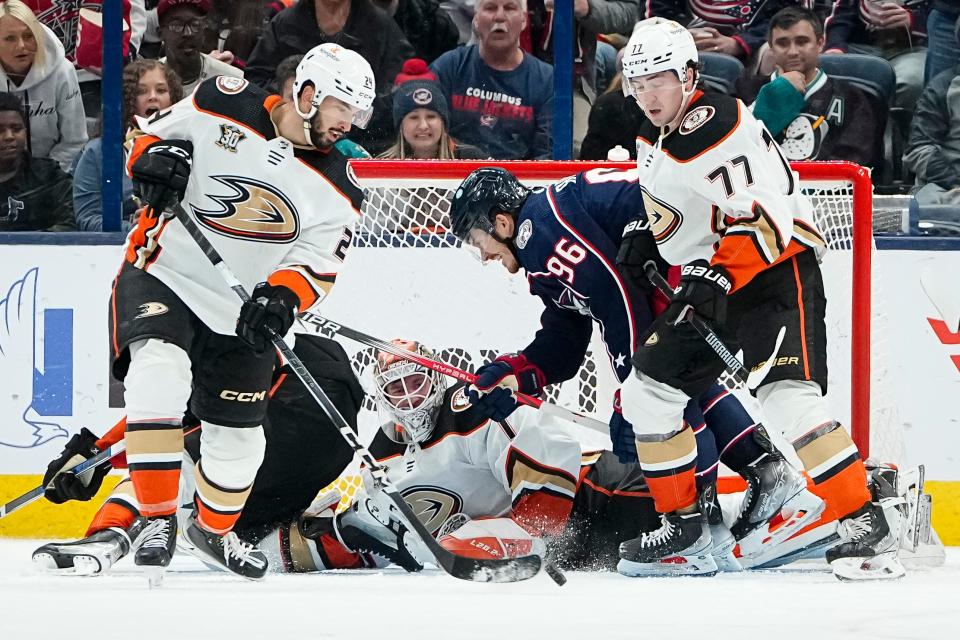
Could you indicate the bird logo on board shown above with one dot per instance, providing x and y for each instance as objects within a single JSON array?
[
  {"x": 230, "y": 137},
  {"x": 696, "y": 119},
  {"x": 36, "y": 365},
  {"x": 250, "y": 210},
  {"x": 524, "y": 233}
]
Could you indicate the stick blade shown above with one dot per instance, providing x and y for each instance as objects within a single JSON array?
[
  {"x": 506, "y": 570},
  {"x": 943, "y": 295}
]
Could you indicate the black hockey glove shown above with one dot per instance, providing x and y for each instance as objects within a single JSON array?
[
  {"x": 268, "y": 306},
  {"x": 703, "y": 290},
  {"x": 161, "y": 173},
  {"x": 61, "y": 486},
  {"x": 637, "y": 247}
]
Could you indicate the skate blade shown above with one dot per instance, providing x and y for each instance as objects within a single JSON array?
[
  {"x": 882, "y": 567},
  {"x": 45, "y": 563},
  {"x": 87, "y": 566},
  {"x": 796, "y": 513},
  {"x": 154, "y": 576},
  {"x": 722, "y": 552},
  {"x": 699, "y": 566},
  {"x": 809, "y": 544}
]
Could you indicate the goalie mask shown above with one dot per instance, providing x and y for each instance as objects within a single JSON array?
[{"x": 408, "y": 393}]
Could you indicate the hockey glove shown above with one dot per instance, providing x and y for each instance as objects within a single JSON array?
[
  {"x": 61, "y": 486},
  {"x": 703, "y": 290},
  {"x": 621, "y": 434},
  {"x": 161, "y": 173},
  {"x": 493, "y": 393},
  {"x": 373, "y": 525},
  {"x": 637, "y": 247},
  {"x": 268, "y": 307}
]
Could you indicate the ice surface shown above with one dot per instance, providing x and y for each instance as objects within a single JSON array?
[{"x": 805, "y": 601}]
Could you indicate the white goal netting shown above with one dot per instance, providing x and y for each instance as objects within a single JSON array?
[{"x": 426, "y": 289}]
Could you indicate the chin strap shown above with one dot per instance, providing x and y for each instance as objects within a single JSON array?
[{"x": 671, "y": 126}]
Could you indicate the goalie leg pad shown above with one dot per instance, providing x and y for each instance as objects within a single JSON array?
[{"x": 492, "y": 539}]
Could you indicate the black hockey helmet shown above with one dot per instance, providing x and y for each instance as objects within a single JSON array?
[{"x": 484, "y": 193}]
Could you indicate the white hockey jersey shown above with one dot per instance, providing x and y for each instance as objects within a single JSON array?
[
  {"x": 274, "y": 212},
  {"x": 718, "y": 188},
  {"x": 481, "y": 468}
]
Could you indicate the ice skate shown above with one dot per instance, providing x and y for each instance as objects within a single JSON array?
[
  {"x": 226, "y": 552},
  {"x": 724, "y": 542},
  {"x": 681, "y": 546},
  {"x": 870, "y": 538},
  {"x": 777, "y": 503},
  {"x": 88, "y": 556},
  {"x": 154, "y": 547}
]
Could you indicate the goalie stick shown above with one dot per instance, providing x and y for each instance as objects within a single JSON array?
[
  {"x": 330, "y": 327},
  {"x": 37, "y": 493},
  {"x": 477, "y": 570},
  {"x": 735, "y": 367}
]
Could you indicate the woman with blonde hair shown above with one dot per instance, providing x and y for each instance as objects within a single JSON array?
[{"x": 33, "y": 68}]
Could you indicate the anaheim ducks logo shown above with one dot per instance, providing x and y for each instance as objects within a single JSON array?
[
  {"x": 663, "y": 219},
  {"x": 251, "y": 210},
  {"x": 432, "y": 505}
]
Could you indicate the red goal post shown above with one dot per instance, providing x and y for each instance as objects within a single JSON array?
[{"x": 841, "y": 192}]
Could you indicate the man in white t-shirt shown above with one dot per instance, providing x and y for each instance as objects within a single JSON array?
[{"x": 181, "y": 28}]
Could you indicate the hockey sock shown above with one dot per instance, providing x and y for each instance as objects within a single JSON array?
[
  {"x": 120, "y": 509},
  {"x": 669, "y": 467},
  {"x": 229, "y": 460},
  {"x": 154, "y": 456},
  {"x": 834, "y": 465},
  {"x": 732, "y": 427},
  {"x": 708, "y": 461}
]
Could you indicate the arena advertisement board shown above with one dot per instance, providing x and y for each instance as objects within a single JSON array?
[{"x": 54, "y": 344}]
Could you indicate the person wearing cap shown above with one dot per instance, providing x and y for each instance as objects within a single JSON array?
[
  {"x": 181, "y": 28},
  {"x": 421, "y": 117}
]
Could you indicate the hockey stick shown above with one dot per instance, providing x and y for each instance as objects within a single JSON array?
[
  {"x": 751, "y": 380},
  {"x": 943, "y": 295},
  {"x": 477, "y": 570},
  {"x": 37, "y": 493},
  {"x": 331, "y": 327}
]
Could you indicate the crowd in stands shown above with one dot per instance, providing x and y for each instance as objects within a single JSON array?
[{"x": 474, "y": 79}]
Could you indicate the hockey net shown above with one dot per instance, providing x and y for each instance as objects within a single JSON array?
[{"x": 402, "y": 240}]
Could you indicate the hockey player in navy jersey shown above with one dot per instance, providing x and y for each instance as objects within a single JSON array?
[{"x": 566, "y": 238}]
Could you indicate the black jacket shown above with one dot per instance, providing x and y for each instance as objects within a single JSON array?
[
  {"x": 614, "y": 119},
  {"x": 428, "y": 28},
  {"x": 369, "y": 31},
  {"x": 38, "y": 198}
]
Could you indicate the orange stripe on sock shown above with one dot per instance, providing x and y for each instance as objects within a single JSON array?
[
  {"x": 111, "y": 514},
  {"x": 214, "y": 521},
  {"x": 157, "y": 491},
  {"x": 673, "y": 492},
  {"x": 844, "y": 492}
]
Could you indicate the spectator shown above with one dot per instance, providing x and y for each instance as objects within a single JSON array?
[
  {"x": 181, "y": 28},
  {"x": 736, "y": 28},
  {"x": 615, "y": 119},
  {"x": 933, "y": 151},
  {"x": 461, "y": 12},
  {"x": 943, "y": 46},
  {"x": 234, "y": 26},
  {"x": 894, "y": 31},
  {"x": 33, "y": 68},
  {"x": 421, "y": 117},
  {"x": 353, "y": 24},
  {"x": 285, "y": 75},
  {"x": 34, "y": 192},
  {"x": 428, "y": 28},
  {"x": 148, "y": 86},
  {"x": 592, "y": 17},
  {"x": 501, "y": 97},
  {"x": 812, "y": 116}
]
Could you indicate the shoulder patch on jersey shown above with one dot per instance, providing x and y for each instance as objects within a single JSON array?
[
  {"x": 696, "y": 119},
  {"x": 723, "y": 121},
  {"x": 230, "y": 137},
  {"x": 524, "y": 233},
  {"x": 230, "y": 84},
  {"x": 459, "y": 400}
]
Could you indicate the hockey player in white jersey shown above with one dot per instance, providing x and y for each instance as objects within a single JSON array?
[
  {"x": 723, "y": 202},
  {"x": 260, "y": 177}
]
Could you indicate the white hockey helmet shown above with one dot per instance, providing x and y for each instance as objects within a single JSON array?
[
  {"x": 657, "y": 45},
  {"x": 338, "y": 72},
  {"x": 408, "y": 393}
]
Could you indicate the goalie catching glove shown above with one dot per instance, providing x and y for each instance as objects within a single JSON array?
[
  {"x": 493, "y": 392},
  {"x": 703, "y": 289},
  {"x": 61, "y": 486}
]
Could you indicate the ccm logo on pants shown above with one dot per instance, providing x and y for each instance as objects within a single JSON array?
[{"x": 243, "y": 396}]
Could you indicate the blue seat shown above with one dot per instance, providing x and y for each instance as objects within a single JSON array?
[
  {"x": 870, "y": 73},
  {"x": 720, "y": 72}
]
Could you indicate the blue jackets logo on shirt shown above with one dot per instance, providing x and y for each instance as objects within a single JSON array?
[{"x": 524, "y": 233}]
